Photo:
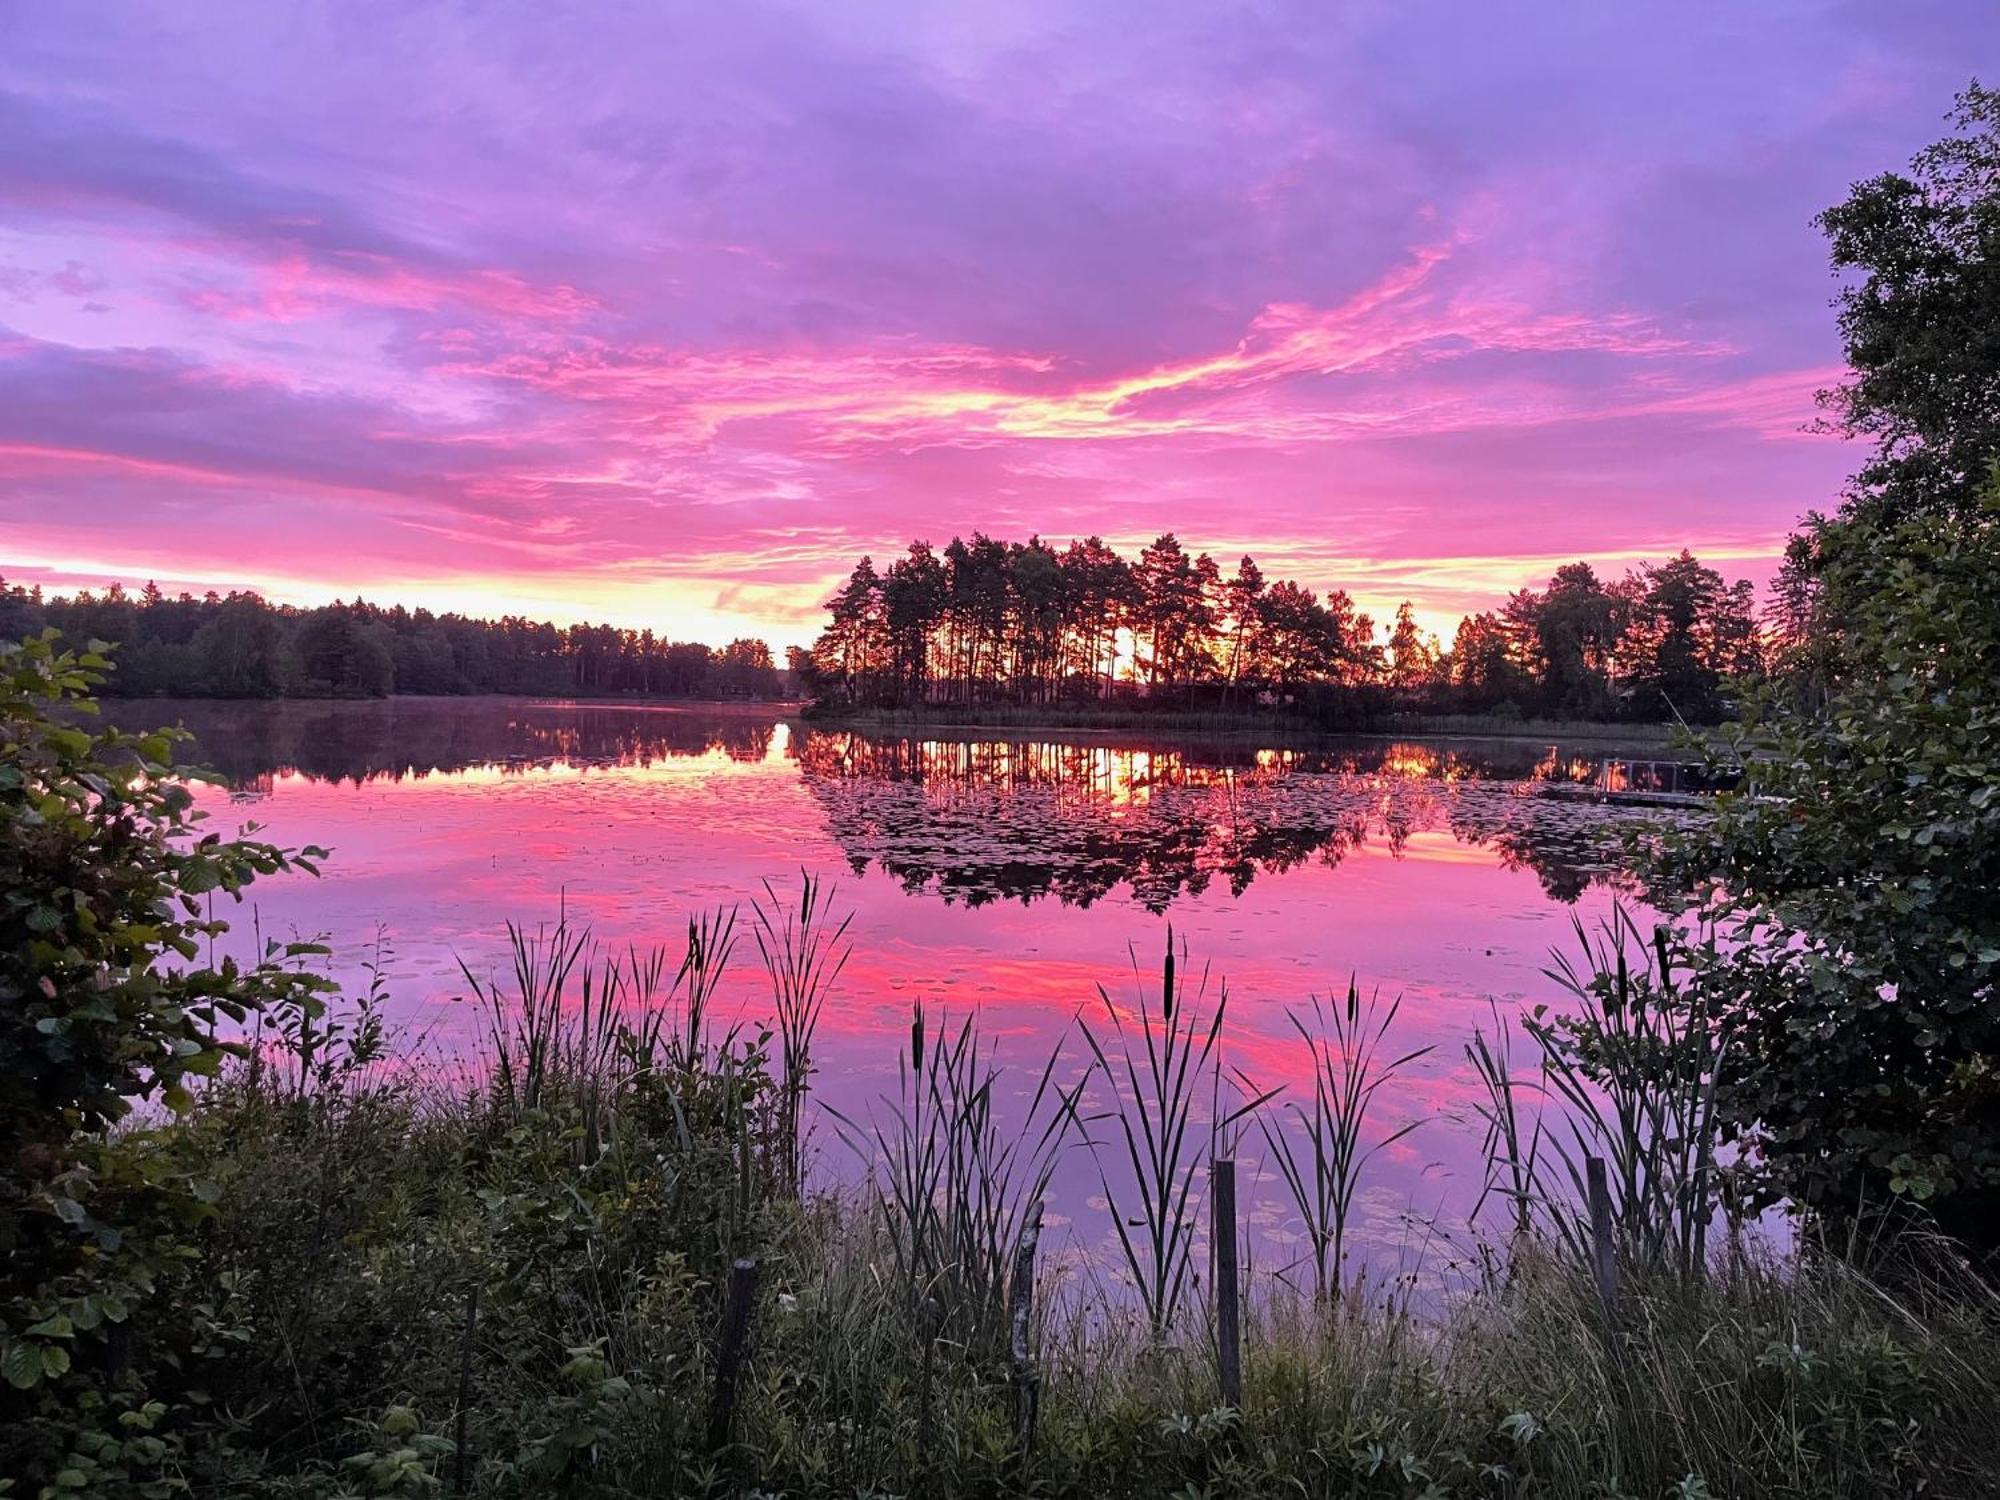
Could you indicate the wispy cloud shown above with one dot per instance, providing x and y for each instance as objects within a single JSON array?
[{"x": 669, "y": 318}]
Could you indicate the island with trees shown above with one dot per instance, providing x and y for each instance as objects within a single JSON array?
[{"x": 991, "y": 623}]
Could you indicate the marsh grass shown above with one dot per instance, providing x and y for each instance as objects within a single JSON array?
[
  {"x": 1345, "y": 1041},
  {"x": 956, "y": 1185},
  {"x": 1157, "y": 1063},
  {"x": 804, "y": 948},
  {"x": 711, "y": 942},
  {"x": 530, "y": 1030},
  {"x": 326, "y": 1350},
  {"x": 1629, "y": 1074}
]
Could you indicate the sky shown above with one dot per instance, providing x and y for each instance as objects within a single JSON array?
[{"x": 665, "y": 313}]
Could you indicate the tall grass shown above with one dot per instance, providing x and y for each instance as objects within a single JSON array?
[
  {"x": 1345, "y": 1043},
  {"x": 1630, "y": 1074},
  {"x": 957, "y": 1186},
  {"x": 879, "y": 1362},
  {"x": 1511, "y": 1150},
  {"x": 533, "y": 1038},
  {"x": 1164, "y": 1059},
  {"x": 804, "y": 948},
  {"x": 594, "y": 1025},
  {"x": 711, "y": 940}
]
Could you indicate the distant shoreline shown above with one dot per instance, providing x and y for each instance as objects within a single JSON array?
[
  {"x": 1001, "y": 721},
  {"x": 1235, "y": 726},
  {"x": 772, "y": 707}
]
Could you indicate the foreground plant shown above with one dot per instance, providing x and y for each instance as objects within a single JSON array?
[
  {"x": 112, "y": 999},
  {"x": 804, "y": 948},
  {"x": 1628, "y": 1072},
  {"x": 957, "y": 1186},
  {"x": 1157, "y": 1064},
  {"x": 1345, "y": 1042},
  {"x": 1852, "y": 883}
]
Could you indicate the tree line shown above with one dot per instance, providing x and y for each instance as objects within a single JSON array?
[
  {"x": 239, "y": 645},
  {"x": 996, "y": 622}
]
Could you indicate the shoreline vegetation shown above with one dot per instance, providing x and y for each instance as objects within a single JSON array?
[
  {"x": 1261, "y": 724},
  {"x": 241, "y": 646}
]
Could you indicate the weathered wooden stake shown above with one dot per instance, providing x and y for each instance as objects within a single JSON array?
[
  {"x": 933, "y": 1316},
  {"x": 458, "y": 1457},
  {"x": 1228, "y": 1297},
  {"x": 729, "y": 1350},
  {"x": 1603, "y": 1244},
  {"x": 1020, "y": 1317}
]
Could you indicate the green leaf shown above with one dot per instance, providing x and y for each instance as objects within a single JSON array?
[
  {"x": 70, "y": 742},
  {"x": 21, "y": 1365}
]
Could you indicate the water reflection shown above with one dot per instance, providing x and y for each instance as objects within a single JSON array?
[
  {"x": 976, "y": 820},
  {"x": 396, "y": 738}
]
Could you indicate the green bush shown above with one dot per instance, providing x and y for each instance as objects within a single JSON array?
[
  {"x": 107, "y": 1007},
  {"x": 1851, "y": 879}
]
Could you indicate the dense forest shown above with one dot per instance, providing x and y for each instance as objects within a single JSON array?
[
  {"x": 240, "y": 646},
  {"x": 989, "y": 621}
]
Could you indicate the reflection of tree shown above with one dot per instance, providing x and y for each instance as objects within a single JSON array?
[
  {"x": 975, "y": 820},
  {"x": 397, "y": 738}
]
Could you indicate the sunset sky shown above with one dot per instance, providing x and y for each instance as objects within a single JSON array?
[{"x": 664, "y": 313}]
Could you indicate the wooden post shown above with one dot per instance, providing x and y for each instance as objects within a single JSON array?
[
  {"x": 729, "y": 1350},
  {"x": 1020, "y": 1317},
  {"x": 1603, "y": 1244},
  {"x": 458, "y": 1457},
  {"x": 933, "y": 1316},
  {"x": 1228, "y": 1296}
]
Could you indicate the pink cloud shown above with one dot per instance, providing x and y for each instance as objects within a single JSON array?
[{"x": 670, "y": 318}]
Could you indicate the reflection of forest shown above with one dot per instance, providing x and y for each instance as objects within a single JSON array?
[
  {"x": 395, "y": 738},
  {"x": 978, "y": 820},
  {"x": 974, "y": 820}
]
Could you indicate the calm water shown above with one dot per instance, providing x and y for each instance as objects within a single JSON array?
[{"x": 1007, "y": 877}]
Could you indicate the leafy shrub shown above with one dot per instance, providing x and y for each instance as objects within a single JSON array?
[
  {"x": 107, "y": 883},
  {"x": 1852, "y": 881}
]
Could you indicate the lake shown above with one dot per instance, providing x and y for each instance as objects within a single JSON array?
[{"x": 1007, "y": 876}]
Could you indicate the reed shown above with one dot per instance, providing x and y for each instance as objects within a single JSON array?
[
  {"x": 958, "y": 1187},
  {"x": 1512, "y": 1153},
  {"x": 1345, "y": 1042},
  {"x": 531, "y": 1038},
  {"x": 711, "y": 941},
  {"x": 1632, "y": 1071},
  {"x": 803, "y": 948},
  {"x": 1163, "y": 1059}
]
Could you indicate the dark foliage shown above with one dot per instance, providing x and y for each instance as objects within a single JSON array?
[
  {"x": 240, "y": 646},
  {"x": 991, "y": 622}
]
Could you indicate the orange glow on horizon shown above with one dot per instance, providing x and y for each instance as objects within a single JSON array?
[{"x": 682, "y": 606}]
